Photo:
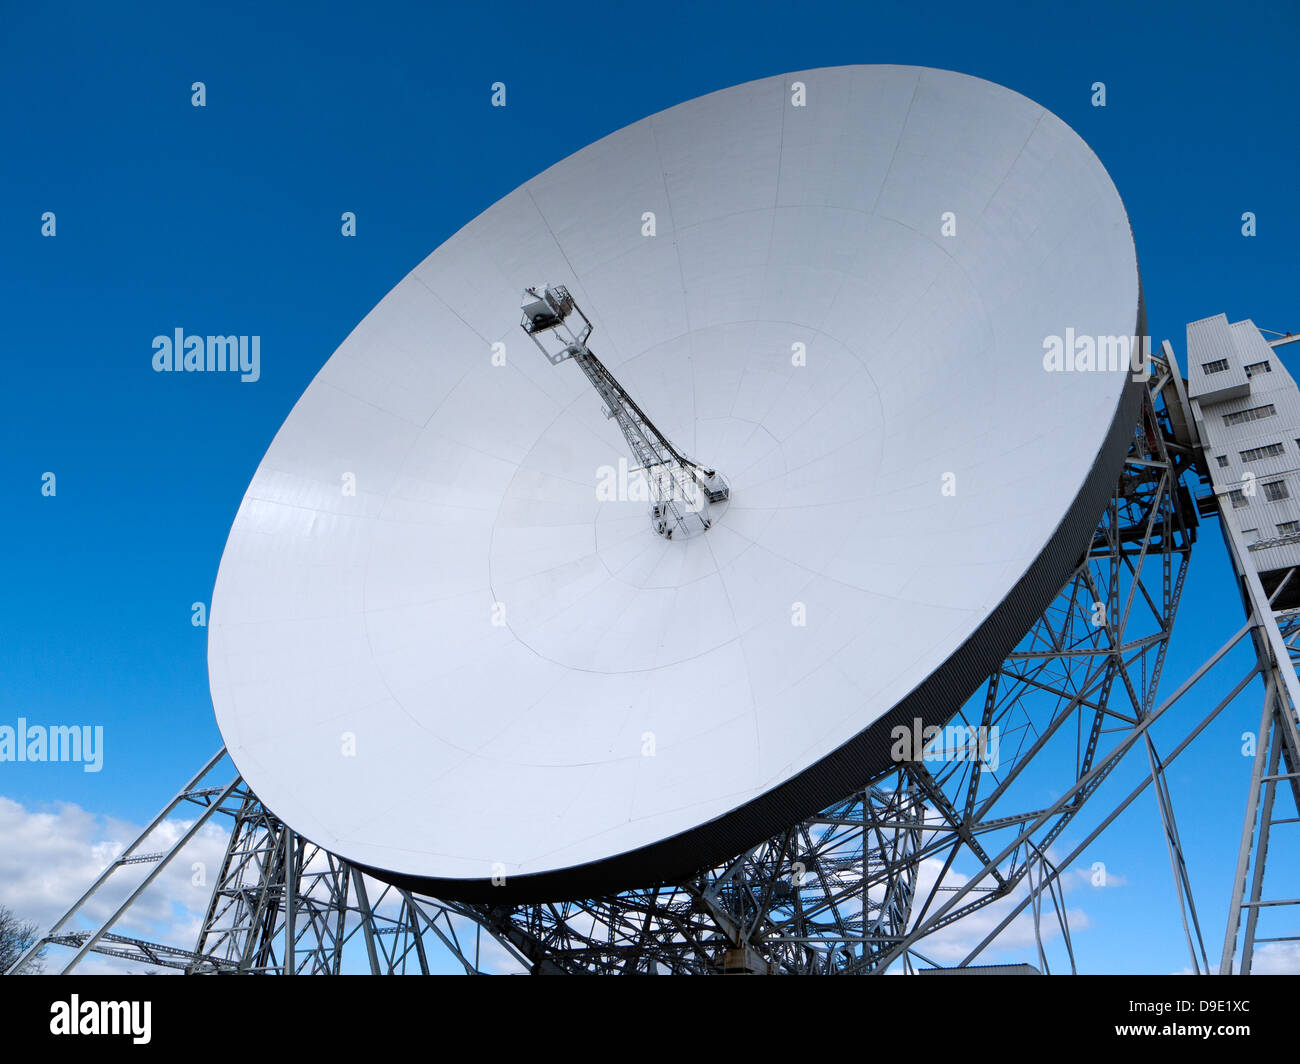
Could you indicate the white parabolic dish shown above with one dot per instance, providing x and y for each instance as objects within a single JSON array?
[{"x": 478, "y": 664}]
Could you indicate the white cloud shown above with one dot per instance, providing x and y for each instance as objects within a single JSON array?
[
  {"x": 1015, "y": 945},
  {"x": 1276, "y": 958},
  {"x": 48, "y": 858}
]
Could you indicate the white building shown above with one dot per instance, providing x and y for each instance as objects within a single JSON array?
[{"x": 1247, "y": 411}]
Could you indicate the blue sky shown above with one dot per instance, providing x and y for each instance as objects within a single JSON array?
[{"x": 225, "y": 219}]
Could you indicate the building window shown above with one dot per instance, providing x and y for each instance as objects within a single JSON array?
[
  {"x": 1255, "y": 413},
  {"x": 1259, "y": 367},
  {"x": 1275, "y": 490},
  {"x": 1256, "y": 453},
  {"x": 1223, "y": 459},
  {"x": 1215, "y": 367},
  {"x": 1238, "y": 498},
  {"x": 1288, "y": 528}
]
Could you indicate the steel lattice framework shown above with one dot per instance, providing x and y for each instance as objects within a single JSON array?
[
  {"x": 868, "y": 884},
  {"x": 1275, "y": 770}
]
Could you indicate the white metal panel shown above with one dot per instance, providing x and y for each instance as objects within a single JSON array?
[{"x": 1210, "y": 343}]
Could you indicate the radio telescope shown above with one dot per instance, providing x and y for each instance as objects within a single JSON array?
[
  {"x": 588, "y": 625},
  {"x": 449, "y": 643}
]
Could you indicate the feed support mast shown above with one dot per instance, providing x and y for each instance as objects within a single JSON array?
[{"x": 682, "y": 491}]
